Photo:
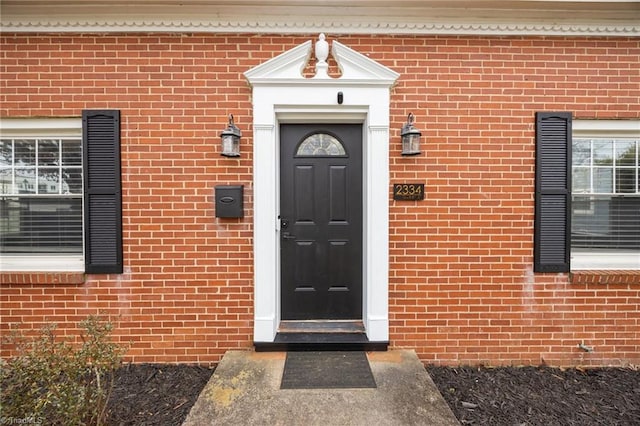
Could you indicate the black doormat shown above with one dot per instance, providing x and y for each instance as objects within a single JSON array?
[{"x": 327, "y": 370}]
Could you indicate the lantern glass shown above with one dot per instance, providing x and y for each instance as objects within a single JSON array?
[
  {"x": 411, "y": 144},
  {"x": 410, "y": 137},
  {"x": 230, "y": 145},
  {"x": 230, "y": 138}
]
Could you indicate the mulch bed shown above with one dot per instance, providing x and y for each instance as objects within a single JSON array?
[
  {"x": 152, "y": 394},
  {"x": 155, "y": 394},
  {"x": 540, "y": 395}
]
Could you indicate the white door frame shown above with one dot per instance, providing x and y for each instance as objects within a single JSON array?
[{"x": 282, "y": 95}]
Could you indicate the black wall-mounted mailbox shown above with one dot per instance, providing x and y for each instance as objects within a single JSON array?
[{"x": 229, "y": 201}]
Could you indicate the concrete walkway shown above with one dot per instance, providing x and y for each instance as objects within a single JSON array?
[{"x": 245, "y": 390}]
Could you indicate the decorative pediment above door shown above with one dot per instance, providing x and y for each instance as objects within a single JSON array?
[{"x": 355, "y": 68}]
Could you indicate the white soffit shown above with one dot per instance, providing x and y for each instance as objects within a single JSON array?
[{"x": 479, "y": 17}]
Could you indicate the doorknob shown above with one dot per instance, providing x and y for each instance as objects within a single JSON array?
[{"x": 288, "y": 236}]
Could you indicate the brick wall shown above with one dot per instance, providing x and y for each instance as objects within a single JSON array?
[{"x": 462, "y": 288}]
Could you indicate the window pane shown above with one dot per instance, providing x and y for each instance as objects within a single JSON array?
[
  {"x": 6, "y": 181},
  {"x": 626, "y": 180},
  {"x": 320, "y": 144},
  {"x": 605, "y": 222},
  {"x": 580, "y": 180},
  {"x": 581, "y": 152},
  {"x": 48, "y": 152},
  {"x": 25, "y": 181},
  {"x": 48, "y": 180},
  {"x": 602, "y": 152},
  {"x": 25, "y": 152},
  {"x": 602, "y": 179},
  {"x": 40, "y": 225},
  {"x": 71, "y": 153},
  {"x": 72, "y": 180},
  {"x": 6, "y": 152},
  {"x": 626, "y": 153}
]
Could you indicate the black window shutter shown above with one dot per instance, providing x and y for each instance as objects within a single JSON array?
[
  {"x": 102, "y": 191},
  {"x": 552, "y": 228}
]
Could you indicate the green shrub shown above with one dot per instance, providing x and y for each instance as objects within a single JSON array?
[{"x": 53, "y": 381}]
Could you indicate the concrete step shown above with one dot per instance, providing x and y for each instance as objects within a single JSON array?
[{"x": 245, "y": 390}]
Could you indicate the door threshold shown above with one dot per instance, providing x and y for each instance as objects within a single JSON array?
[
  {"x": 321, "y": 335},
  {"x": 285, "y": 342},
  {"x": 322, "y": 326}
]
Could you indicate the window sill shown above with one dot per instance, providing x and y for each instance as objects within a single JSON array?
[
  {"x": 605, "y": 277},
  {"x": 609, "y": 260},
  {"x": 36, "y": 264},
  {"x": 46, "y": 278}
]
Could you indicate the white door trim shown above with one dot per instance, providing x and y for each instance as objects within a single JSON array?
[{"x": 282, "y": 95}]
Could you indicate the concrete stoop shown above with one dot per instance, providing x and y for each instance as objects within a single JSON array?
[{"x": 245, "y": 390}]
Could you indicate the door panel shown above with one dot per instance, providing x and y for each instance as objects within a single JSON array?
[
  {"x": 305, "y": 194},
  {"x": 321, "y": 221},
  {"x": 338, "y": 194}
]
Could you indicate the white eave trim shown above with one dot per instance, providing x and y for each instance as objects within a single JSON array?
[
  {"x": 302, "y": 25},
  {"x": 451, "y": 17}
]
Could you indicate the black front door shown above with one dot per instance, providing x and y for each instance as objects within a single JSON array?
[{"x": 321, "y": 221}]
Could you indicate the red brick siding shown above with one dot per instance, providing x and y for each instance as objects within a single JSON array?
[{"x": 462, "y": 288}]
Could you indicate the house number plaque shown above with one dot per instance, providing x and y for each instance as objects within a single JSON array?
[{"x": 408, "y": 191}]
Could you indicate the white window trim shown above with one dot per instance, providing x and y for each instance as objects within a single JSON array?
[
  {"x": 38, "y": 128},
  {"x": 605, "y": 260}
]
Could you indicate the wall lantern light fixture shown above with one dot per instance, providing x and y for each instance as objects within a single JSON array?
[
  {"x": 231, "y": 139},
  {"x": 410, "y": 137}
]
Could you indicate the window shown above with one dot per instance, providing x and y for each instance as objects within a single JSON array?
[
  {"x": 60, "y": 196},
  {"x": 41, "y": 194},
  {"x": 321, "y": 145},
  {"x": 605, "y": 194},
  {"x": 587, "y": 194}
]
